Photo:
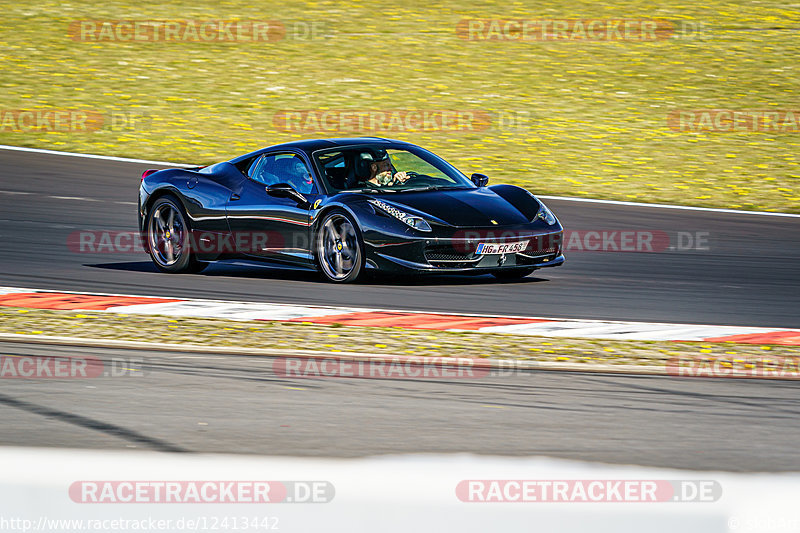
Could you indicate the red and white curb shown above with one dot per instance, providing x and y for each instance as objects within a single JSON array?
[
  {"x": 519, "y": 325},
  {"x": 347, "y": 316}
]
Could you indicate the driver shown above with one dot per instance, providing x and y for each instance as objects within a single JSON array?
[{"x": 380, "y": 172}]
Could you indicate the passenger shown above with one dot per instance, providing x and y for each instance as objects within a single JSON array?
[{"x": 299, "y": 177}]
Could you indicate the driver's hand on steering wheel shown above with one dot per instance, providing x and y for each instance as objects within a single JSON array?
[{"x": 401, "y": 177}]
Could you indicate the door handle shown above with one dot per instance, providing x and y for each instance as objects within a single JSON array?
[{"x": 234, "y": 197}]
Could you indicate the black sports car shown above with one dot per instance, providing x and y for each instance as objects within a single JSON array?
[{"x": 345, "y": 206}]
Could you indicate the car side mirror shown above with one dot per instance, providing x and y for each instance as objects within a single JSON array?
[
  {"x": 481, "y": 180},
  {"x": 284, "y": 190}
]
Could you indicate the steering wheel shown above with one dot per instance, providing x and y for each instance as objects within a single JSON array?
[{"x": 414, "y": 177}]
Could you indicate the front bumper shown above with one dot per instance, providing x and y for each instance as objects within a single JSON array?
[
  {"x": 458, "y": 252},
  {"x": 389, "y": 263}
]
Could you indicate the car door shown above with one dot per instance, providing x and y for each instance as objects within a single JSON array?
[{"x": 268, "y": 226}]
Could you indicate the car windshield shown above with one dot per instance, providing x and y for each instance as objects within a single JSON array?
[{"x": 386, "y": 169}]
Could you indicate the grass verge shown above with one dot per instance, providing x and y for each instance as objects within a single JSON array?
[{"x": 571, "y": 118}]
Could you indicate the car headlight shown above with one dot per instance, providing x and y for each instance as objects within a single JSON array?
[
  {"x": 546, "y": 215},
  {"x": 414, "y": 221}
]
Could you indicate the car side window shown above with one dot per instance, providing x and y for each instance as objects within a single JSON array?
[
  {"x": 259, "y": 172},
  {"x": 290, "y": 168},
  {"x": 335, "y": 168}
]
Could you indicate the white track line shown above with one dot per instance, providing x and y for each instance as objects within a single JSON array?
[
  {"x": 546, "y": 197},
  {"x": 91, "y": 156},
  {"x": 667, "y": 206},
  {"x": 71, "y": 198}
]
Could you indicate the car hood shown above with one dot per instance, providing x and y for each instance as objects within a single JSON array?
[{"x": 465, "y": 207}]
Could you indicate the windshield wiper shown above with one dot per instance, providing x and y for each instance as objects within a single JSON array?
[
  {"x": 430, "y": 188},
  {"x": 370, "y": 190}
]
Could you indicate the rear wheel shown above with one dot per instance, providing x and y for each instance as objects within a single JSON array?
[
  {"x": 339, "y": 249},
  {"x": 515, "y": 273},
  {"x": 169, "y": 237}
]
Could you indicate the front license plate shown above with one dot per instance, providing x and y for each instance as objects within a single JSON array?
[{"x": 501, "y": 248}]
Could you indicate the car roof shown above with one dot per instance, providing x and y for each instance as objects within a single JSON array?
[{"x": 312, "y": 145}]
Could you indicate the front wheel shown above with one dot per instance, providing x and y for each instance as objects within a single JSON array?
[
  {"x": 511, "y": 274},
  {"x": 339, "y": 249},
  {"x": 169, "y": 238}
]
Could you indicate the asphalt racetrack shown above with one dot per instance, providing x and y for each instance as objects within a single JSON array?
[
  {"x": 218, "y": 403},
  {"x": 748, "y": 276},
  {"x": 191, "y": 402}
]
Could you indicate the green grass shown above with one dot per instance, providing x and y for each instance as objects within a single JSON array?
[{"x": 596, "y": 111}]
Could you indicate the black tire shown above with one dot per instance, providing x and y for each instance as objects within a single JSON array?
[
  {"x": 339, "y": 248},
  {"x": 513, "y": 273},
  {"x": 168, "y": 234}
]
